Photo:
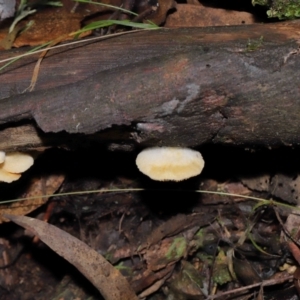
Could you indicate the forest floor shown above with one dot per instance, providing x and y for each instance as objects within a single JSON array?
[{"x": 230, "y": 233}]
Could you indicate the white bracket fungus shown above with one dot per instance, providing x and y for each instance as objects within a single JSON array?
[
  {"x": 12, "y": 164},
  {"x": 170, "y": 163}
]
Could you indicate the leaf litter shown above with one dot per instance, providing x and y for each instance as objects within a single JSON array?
[{"x": 202, "y": 248}]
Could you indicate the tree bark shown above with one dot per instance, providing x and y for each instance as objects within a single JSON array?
[{"x": 184, "y": 87}]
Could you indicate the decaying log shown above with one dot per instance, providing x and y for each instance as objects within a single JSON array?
[{"x": 237, "y": 85}]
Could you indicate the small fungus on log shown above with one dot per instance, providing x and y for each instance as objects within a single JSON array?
[
  {"x": 13, "y": 164},
  {"x": 170, "y": 163}
]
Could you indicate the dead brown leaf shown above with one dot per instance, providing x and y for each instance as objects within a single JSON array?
[
  {"x": 39, "y": 186},
  {"x": 286, "y": 187},
  {"x": 48, "y": 25},
  {"x": 188, "y": 15},
  {"x": 146, "y": 280},
  {"x": 108, "y": 280},
  {"x": 245, "y": 271},
  {"x": 167, "y": 253},
  {"x": 161, "y": 13},
  {"x": 258, "y": 183},
  {"x": 236, "y": 188},
  {"x": 187, "y": 283},
  {"x": 175, "y": 225}
]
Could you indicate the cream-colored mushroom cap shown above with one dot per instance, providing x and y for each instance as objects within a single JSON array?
[
  {"x": 8, "y": 177},
  {"x": 16, "y": 162},
  {"x": 170, "y": 163},
  {"x": 2, "y": 157}
]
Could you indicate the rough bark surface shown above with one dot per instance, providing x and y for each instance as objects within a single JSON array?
[{"x": 187, "y": 87}]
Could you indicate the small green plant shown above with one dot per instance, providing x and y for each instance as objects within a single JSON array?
[{"x": 253, "y": 45}]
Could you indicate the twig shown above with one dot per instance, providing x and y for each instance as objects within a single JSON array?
[{"x": 244, "y": 288}]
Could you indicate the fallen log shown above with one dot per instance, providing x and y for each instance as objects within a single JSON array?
[{"x": 235, "y": 85}]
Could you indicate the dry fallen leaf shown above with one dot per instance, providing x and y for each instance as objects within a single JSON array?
[
  {"x": 166, "y": 253},
  {"x": 108, "y": 280},
  {"x": 160, "y": 15},
  {"x": 48, "y": 25},
  {"x": 174, "y": 226},
  {"x": 40, "y": 186},
  {"x": 189, "y": 15}
]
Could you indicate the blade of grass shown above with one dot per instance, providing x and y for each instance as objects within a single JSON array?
[
  {"x": 108, "y": 6},
  {"x": 120, "y": 22},
  {"x": 40, "y": 48},
  {"x": 76, "y": 193},
  {"x": 257, "y": 247},
  {"x": 36, "y": 49},
  {"x": 120, "y": 190},
  {"x": 94, "y": 25},
  {"x": 107, "y": 23},
  {"x": 248, "y": 197},
  {"x": 30, "y": 52}
]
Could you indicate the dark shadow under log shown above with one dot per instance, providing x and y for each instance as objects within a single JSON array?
[{"x": 234, "y": 85}]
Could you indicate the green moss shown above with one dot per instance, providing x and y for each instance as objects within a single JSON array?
[
  {"x": 192, "y": 274},
  {"x": 221, "y": 274},
  {"x": 282, "y": 9},
  {"x": 177, "y": 249},
  {"x": 206, "y": 258},
  {"x": 260, "y": 2},
  {"x": 253, "y": 45}
]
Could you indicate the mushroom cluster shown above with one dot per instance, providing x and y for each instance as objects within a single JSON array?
[
  {"x": 13, "y": 164},
  {"x": 170, "y": 163}
]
